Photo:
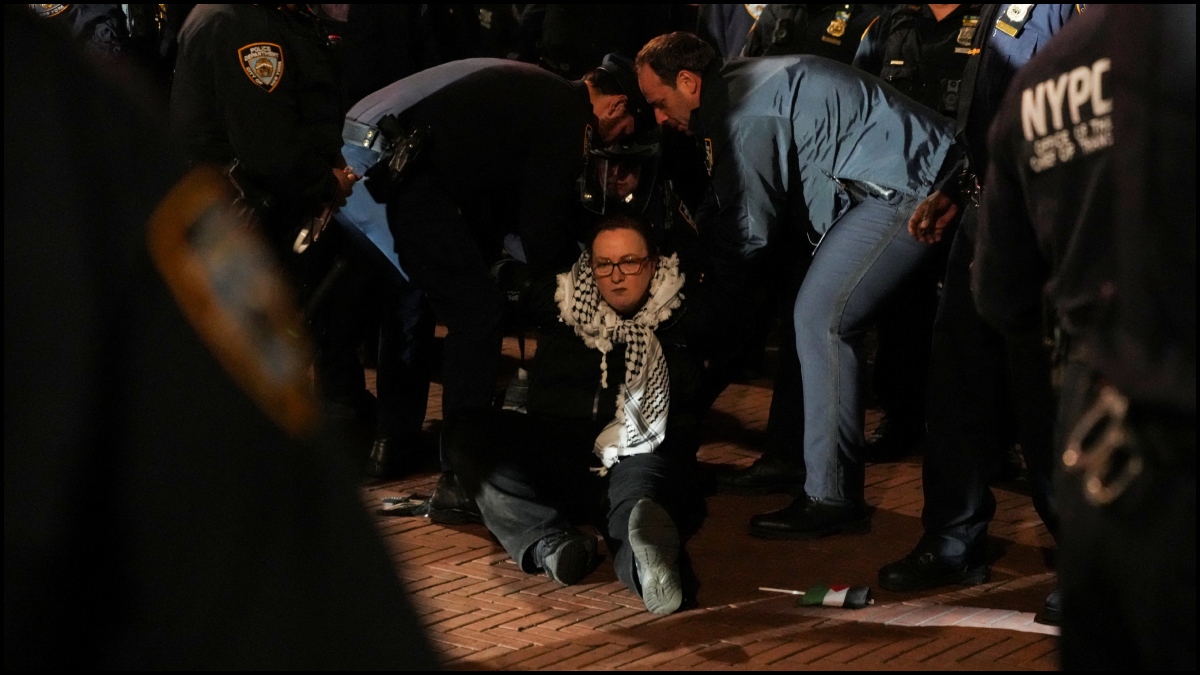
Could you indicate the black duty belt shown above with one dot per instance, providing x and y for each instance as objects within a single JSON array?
[{"x": 364, "y": 135}]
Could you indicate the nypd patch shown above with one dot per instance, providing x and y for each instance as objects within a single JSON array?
[
  {"x": 228, "y": 286},
  {"x": 263, "y": 64},
  {"x": 47, "y": 11}
]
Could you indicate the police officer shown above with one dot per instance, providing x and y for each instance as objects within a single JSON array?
[
  {"x": 1127, "y": 478},
  {"x": 757, "y": 190},
  {"x": 258, "y": 85},
  {"x": 1047, "y": 211},
  {"x": 166, "y": 435},
  {"x": 257, "y": 89},
  {"x": 832, "y": 31},
  {"x": 971, "y": 364},
  {"x": 498, "y": 148},
  {"x": 922, "y": 51},
  {"x": 630, "y": 177}
]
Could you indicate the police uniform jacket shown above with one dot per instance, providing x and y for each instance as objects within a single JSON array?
[
  {"x": 1007, "y": 37},
  {"x": 1047, "y": 218},
  {"x": 1148, "y": 341},
  {"x": 795, "y": 129},
  {"x": 924, "y": 58},
  {"x": 832, "y": 31},
  {"x": 506, "y": 139},
  {"x": 258, "y": 84}
]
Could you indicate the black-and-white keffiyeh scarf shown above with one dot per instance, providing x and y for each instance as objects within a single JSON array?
[{"x": 644, "y": 399}]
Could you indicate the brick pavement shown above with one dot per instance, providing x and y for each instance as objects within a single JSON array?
[{"x": 482, "y": 612}]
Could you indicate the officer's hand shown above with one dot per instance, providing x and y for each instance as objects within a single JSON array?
[
  {"x": 931, "y": 218},
  {"x": 345, "y": 179}
]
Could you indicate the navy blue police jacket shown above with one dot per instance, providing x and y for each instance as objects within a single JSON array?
[
  {"x": 1046, "y": 223},
  {"x": 506, "y": 139},
  {"x": 1003, "y": 48}
]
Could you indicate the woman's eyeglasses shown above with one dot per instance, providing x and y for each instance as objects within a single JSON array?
[{"x": 628, "y": 266}]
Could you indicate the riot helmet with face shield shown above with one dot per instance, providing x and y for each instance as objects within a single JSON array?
[{"x": 621, "y": 176}]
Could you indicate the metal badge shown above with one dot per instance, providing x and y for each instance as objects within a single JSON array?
[
  {"x": 965, "y": 35},
  {"x": 755, "y": 10},
  {"x": 837, "y": 27}
]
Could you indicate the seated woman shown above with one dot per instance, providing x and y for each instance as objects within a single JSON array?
[{"x": 610, "y": 431}]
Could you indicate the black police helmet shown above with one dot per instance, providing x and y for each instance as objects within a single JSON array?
[{"x": 621, "y": 69}]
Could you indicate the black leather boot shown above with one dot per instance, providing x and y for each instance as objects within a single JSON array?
[
  {"x": 765, "y": 476},
  {"x": 922, "y": 570},
  {"x": 807, "y": 518},
  {"x": 450, "y": 503},
  {"x": 382, "y": 458}
]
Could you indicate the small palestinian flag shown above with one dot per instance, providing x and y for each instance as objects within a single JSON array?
[{"x": 850, "y": 597}]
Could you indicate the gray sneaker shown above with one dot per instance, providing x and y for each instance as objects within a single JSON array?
[
  {"x": 566, "y": 556},
  {"x": 655, "y": 544}
]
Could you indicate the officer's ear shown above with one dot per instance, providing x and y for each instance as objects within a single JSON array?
[
  {"x": 618, "y": 106},
  {"x": 688, "y": 83}
]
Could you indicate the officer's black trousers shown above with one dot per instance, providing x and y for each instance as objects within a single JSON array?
[
  {"x": 540, "y": 484},
  {"x": 436, "y": 247},
  {"x": 1128, "y": 569},
  {"x": 905, "y": 330},
  {"x": 972, "y": 370},
  {"x": 371, "y": 294}
]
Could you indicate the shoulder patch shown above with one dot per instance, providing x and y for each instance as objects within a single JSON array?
[
  {"x": 47, "y": 11},
  {"x": 263, "y": 64},
  {"x": 226, "y": 283}
]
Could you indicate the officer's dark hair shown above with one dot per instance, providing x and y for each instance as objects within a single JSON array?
[
  {"x": 668, "y": 54},
  {"x": 604, "y": 82},
  {"x": 625, "y": 221}
]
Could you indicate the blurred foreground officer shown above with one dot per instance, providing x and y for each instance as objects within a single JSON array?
[
  {"x": 456, "y": 157},
  {"x": 1128, "y": 493},
  {"x": 156, "y": 514},
  {"x": 832, "y": 31},
  {"x": 972, "y": 367},
  {"x": 781, "y": 160},
  {"x": 921, "y": 50}
]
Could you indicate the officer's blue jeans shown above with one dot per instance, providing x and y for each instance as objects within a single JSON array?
[{"x": 863, "y": 258}]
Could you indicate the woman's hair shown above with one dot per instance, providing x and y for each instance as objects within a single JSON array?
[{"x": 625, "y": 221}]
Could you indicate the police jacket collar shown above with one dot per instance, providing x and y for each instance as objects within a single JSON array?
[{"x": 714, "y": 101}]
